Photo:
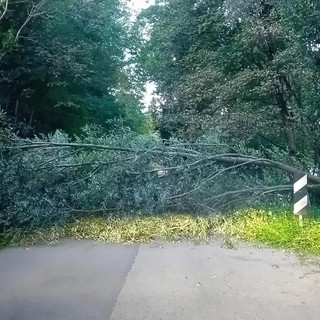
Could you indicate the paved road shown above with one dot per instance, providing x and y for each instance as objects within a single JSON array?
[{"x": 86, "y": 281}]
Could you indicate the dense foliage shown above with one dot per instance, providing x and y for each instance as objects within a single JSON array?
[
  {"x": 62, "y": 65},
  {"x": 246, "y": 69}
]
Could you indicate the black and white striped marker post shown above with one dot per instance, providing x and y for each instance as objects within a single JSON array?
[{"x": 300, "y": 195}]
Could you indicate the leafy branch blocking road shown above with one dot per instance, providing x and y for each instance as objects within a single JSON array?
[{"x": 206, "y": 174}]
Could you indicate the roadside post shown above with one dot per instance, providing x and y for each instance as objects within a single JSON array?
[{"x": 300, "y": 195}]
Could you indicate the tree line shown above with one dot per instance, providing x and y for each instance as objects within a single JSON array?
[
  {"x": 63, "y": 65},
  {"x": 248, "y": 70}
]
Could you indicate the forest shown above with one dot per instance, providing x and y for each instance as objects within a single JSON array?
[{"x": 234, "y": 115}]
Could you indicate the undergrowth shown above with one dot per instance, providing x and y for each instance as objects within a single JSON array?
[{"x": 270, "y": 227}]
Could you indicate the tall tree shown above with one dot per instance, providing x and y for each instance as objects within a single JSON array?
[
  {"x": 66, "y": 66},
  {"x": 245, "y": 69}
]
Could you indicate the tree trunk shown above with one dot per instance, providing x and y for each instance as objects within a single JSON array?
[{"x": 286, "y": 115}]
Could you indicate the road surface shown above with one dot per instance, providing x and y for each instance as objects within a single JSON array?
[{"x": 82, "y": 280}]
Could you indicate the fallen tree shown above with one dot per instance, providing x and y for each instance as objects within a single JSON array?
[
  {"x": 49, "y": 180},
  {"x": 233, "y": 159}
]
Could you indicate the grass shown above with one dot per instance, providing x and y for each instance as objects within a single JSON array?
[
  {"x": 278, "y": 229},
  {"x": 275, "y": 230},
  {"x": 130, "y": 229}
]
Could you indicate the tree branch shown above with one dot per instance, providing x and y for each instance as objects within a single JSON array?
[
  {"x": 228, "y": 158},
  {"x": 209, "y": 179},
  {"x": 34, "y": 12},
  {"x": 100, "y": 163},
  {"x": 286, "y": 187},
  {"x": 5, "y": 9},
  {"x": 270, "y": 164},
  {"x": 35, "y": 145},
  {"x": 272, "y": 142}
]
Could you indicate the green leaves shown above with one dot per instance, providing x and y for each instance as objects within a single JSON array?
[
  {"x": 66, "y": 67},
  {"x": 245, "y": 68},
  {"x": 8, "y": 40}
]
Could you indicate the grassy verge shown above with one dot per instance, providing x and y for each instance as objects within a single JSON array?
[
  {"x": 171, "y": 227},
  {"x": 276, "y": 229}
]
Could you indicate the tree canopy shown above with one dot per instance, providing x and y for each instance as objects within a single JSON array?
[
  {"x": 63, "y": 65},
  {"x": 246, "y": 69}
]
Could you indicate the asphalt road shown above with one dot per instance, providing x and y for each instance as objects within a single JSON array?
[{"x": 82, "y": 280}]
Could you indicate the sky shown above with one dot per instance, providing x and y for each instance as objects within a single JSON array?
[{"x": 138, "y": 5}]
